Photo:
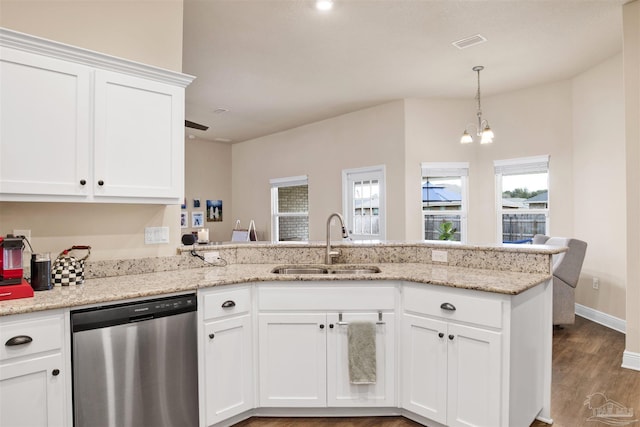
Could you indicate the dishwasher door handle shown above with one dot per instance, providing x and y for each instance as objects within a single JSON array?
[{"x": 141, "y": 318}]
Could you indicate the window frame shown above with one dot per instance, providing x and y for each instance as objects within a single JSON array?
[
  {"x": 365, "y": 173},
  {"x": 445, "y": 170},
  {"x": 276, "y": 183},
  {"x": 520, "y": 166}
]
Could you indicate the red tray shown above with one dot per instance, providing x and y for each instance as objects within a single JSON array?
[{"x": 23, "y": 290}]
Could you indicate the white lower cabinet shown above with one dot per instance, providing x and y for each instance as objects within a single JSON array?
[
  {"x": 475, "y": 359},
  {"x": 33, "y": 371},
  {"x": 451, "y": 373},
  {"x": 303, "y": 347},
  {"x": 293, "y": 354},
  {"x": 227, "y": 355}
]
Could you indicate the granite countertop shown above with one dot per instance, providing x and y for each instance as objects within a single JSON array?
[{"x": 112, "y": 289}]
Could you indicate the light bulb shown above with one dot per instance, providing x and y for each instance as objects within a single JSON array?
[
  {"x": 466, "y": 138},
  {"x": 487, "y": 135}
]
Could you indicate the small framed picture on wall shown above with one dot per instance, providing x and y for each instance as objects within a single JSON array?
[{"x": 197, "y": 219}]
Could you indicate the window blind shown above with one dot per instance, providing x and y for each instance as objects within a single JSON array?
[
  {"x": 523, "y": 165},
  {"x": 443, "y": 169}
]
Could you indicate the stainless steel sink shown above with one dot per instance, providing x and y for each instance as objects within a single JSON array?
[
  {"x": 331, "y": 269},
  {"x": 299, "y": 270}
]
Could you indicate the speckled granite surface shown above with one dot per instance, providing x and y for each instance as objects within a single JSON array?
[{"x": 111, "y": 289}]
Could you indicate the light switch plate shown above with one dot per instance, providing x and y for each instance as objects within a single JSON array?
[
  {"x": 438, "y": 256},
  {"x": 211, "y": 256},
  {"x": 155, "y": 235}
]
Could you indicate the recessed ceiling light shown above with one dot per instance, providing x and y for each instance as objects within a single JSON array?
[
  {"x": 324, "y": 5},
  {"x": 220, "y": 110}
]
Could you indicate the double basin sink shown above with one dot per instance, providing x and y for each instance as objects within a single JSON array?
[{"x": 326, "y": 269}]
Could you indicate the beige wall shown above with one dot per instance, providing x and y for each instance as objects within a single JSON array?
[
  {"x": 321, "y": 151},
  {"x": 599, "y": 193},
  {"x": 631, "y": 14},
  {"x": 145, "y": 31},
  {"x": 208, "y": 176}
]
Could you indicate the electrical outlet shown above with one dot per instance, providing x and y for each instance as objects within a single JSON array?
[
  {"x": 153, "y": 235},
  {"x": 25, "y": 233},
  {"x": 596, "y": 283},
  {"x": 438, "y": 256},
  {"x": 211, "y": 256}
]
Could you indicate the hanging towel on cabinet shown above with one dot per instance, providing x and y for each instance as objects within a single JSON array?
[{"x": 361, "y": 338}]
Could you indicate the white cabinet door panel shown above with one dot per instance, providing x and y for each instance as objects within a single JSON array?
[
  {"x": 292, "y": 359},
  {"x": 424, "y": 367},
  {"x": 475, "y": 366},
  {"x": 30, "y": 395},
  {"x": 340, "y": 391},
  {"x": 44, "y": 125},
  {"x": 139, "y": 140},
  {"x": 228, "y": 368}
]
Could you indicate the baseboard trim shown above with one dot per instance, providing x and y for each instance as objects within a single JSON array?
[
  {"x": 631, "y": 360},
  {"x": 601, "y": 318}
]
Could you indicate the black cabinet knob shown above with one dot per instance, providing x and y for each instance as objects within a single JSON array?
[
  {"x": 441, "y": 334},
  {"x": 101, "y": 183},
  {"x": 212, "y": 336},
  {"x": 83, "y": 182},
  {"x": 330, "y": 325},
  {"x": 55, "y": 372},
  {"x": 321, "y": 326},
  {"x": 451, "y": 337}
]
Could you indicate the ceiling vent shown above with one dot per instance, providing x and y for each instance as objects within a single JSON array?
[{"x": 469, "y": 41}]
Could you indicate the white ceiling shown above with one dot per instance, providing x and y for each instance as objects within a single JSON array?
[{"x": 278, "y": 64}]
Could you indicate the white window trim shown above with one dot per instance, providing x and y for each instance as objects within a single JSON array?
[
  {"x": 379, "y": 172},
  {"x": 276, "y": 183},
  {"x": 447, "y": 169},
  {"x": 519, "y": 166}
]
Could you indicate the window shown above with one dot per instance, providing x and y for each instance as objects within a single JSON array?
[
  {"x": 522, "y": 198},
  {"x": 444, "y": 201},
  {"x": 290, "y": 209},
  {"x": 363, "y": 200}
]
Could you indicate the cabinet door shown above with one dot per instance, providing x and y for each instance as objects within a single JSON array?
[
  {"x": 292, "y": 359},
  {"x": 44, "y": 126},
  {"x": 340, "y": 391},
  {"x": 228, "y": 368},
  {"x": 139, "y": 137},
  {"x": 31, "y": 394},
  {"x": 475, "y": 364},
  {"x": 424, "y": 367}
]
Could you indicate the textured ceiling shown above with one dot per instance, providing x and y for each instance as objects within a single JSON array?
[{"x": 278, "y": 64}]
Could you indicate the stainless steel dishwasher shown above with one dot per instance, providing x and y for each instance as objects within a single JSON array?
[{"x": 136, "y": 364}]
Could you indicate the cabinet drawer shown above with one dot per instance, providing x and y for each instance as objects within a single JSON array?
[
  {"x": 463, "y": 307},
  {"x": 45, "y": 334},
  {"x": 225, "y": 303}
]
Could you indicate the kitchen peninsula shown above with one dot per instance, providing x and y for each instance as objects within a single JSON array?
[{"x": 459, "y": 342}]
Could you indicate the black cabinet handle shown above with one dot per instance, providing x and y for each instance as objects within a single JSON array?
[
  {"x": 441, "y": 334},
  {"x": 101, "y": 183},
  {"x": 330, "y": 325},
  {"x": 18, "y": 340},
  {"x": 448, "y": 306},
  {"x": 228, "y": 304},
  {"x": 212, "y": 336},
  {"x": 321, "y": 326},
  {"x": 55, "y": 372},
  {"x": 83, "y": 181},
  {"x": 451, "y": 337}
]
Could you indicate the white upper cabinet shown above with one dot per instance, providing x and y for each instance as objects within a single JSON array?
[
  {"x": 44, "y": 125},
  {"x": 77, "y": 125}
]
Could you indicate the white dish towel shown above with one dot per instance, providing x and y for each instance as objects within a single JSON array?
[{"x": 361, "y": 338}]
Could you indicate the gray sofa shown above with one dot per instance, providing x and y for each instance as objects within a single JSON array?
[{"x": 566, "y": 272}]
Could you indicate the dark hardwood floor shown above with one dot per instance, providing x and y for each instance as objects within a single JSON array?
[{"x": 586, "y": 360}]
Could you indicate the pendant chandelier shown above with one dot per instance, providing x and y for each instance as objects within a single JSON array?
[{"x": 482, "y": 130}]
